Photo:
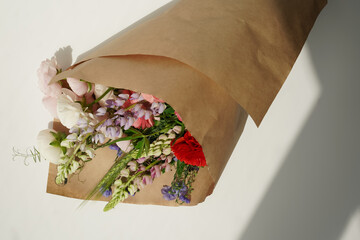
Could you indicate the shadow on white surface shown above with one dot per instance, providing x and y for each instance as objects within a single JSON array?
[{"x": 316, "y": 190}]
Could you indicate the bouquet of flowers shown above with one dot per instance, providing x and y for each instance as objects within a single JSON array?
[
  {"x": 174, "y": 92},
  {"x": 146, "y": 133}
]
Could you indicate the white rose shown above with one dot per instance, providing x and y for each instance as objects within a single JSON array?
[
  {"x": 68, "y": 111},
  {"x": 51, "y": 153},
  {"x": 99, "y": 90}
]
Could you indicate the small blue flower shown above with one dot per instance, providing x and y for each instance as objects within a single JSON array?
[{"x": 107, "y": 193}]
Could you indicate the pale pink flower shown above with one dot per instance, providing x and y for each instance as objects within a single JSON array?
[
  {"x": 150, "y": 98},
  {"x": 50, "y": 103},
  {"x": 46, "y": 71},
  {"x": 77, "y": 86}
]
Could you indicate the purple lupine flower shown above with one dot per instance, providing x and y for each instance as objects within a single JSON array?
[
  {"x": 120, "y": 112},
  {"x": 147, "y": 114},
  {"x": 124, "y": 96},
  {"x": 157, "y": 108},
  {"x": 100, "y": 111},
  {"x": 108, "y": 122},
  {"x": 110, "y": 103},
  {"x": 115, "y": 147},
  {"x": 129, "y": 122},
  {"x": 167, "y": 193},
  {"x": 137, "y": 107},
  {"x": 135, "y": 96},
  {"x": 184, "y": 199},
  {"x": 98, "y": 138},
  {"x": 82, "y": 123},
  {"x": 74, "y": 130},
  {"x": 119, "y": 102}
]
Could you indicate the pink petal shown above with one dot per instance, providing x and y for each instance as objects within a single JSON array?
[
  {"x": 78, "y": 87},
  {"x": 50, "y": 104}
]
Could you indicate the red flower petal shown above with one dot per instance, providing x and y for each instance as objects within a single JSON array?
[{"x": 189, "y": 151}]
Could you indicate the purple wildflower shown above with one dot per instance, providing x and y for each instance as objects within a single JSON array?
[
  {"x": 100, "y": 111},
  {"x": 115, "y": 147},
  {"x": 107, "y": 193},
  {"x": 167, "y": 193}
]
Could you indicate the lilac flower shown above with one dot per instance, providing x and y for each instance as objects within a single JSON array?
[
  {"x": 124, "y": 96},
  {"x": 119, "y": 102},
  {"x": 110, "y": 103},
  {"x": 82, "y": 123},
  {"x": 113, "y": 132},
  {"x": 100, "y": 111},
  {"x": 98, "y": 138},
  {"x": 135, "y": 96},
  {"x": 157, "y": 108}
]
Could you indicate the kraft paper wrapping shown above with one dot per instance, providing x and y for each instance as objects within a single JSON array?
[{"x": 213, "y": 61}]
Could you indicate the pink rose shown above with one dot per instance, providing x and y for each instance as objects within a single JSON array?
[
  {"x": 77, "y": 86},
  {"x": 46, "y": 72}
]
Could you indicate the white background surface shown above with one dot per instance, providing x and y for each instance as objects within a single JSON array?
[{"x": 296, "y": 177}]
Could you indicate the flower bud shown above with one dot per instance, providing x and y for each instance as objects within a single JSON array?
[
  {"x": 177, "y": 129},
  {"x": 132, "y": 189},
  {"x": 125, "y": 173}
]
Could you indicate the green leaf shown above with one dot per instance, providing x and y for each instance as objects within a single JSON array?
[
  {"x": 63, "y": 149},
  {"x": 55, "y": 143},
  {"x": 141, "y": 145},
  {"x": 147, "y": 146}
]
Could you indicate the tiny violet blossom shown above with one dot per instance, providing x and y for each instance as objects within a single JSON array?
[{"x": 107, "y": 193}]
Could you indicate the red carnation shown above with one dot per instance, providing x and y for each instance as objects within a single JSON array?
[{"x": 189, "y": 151}]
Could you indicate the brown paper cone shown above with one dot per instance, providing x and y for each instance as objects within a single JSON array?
[{"x": 210, "y": 60}]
